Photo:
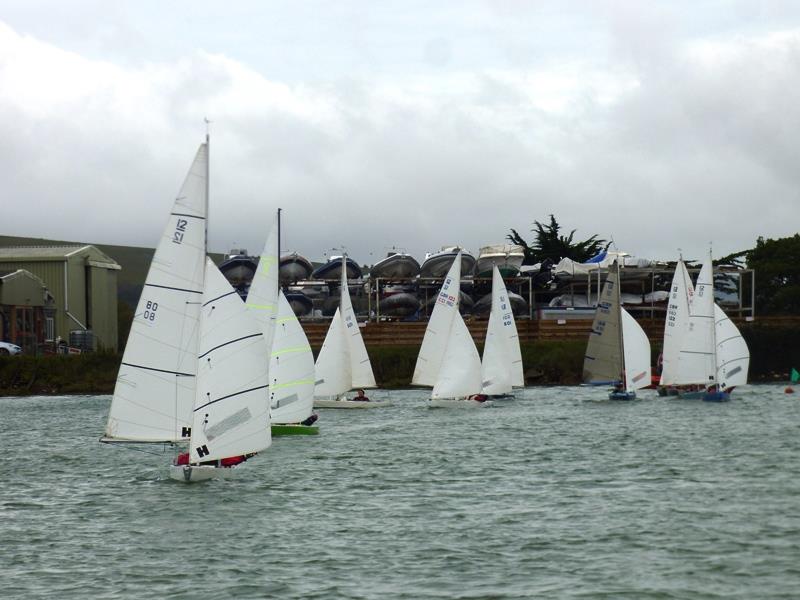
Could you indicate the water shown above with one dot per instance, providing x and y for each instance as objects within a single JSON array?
[{"x": 557, "y": 494}]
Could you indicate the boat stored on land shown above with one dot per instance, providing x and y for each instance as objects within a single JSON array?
[
  {"x": 506, "y": 257},
  {"x": 437, "y": 264}
]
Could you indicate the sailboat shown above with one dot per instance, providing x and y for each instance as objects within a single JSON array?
[
  {"x": 291, "y": 363},
  {"x": 501, "y": 367},
  {"x": 343, "y": 363},
  {"x": 448, "y": 360},
  {"x": 708, "y": 351},
  {"x": 157, "y": 384},
  {"x": 618, "y": 352},
  {"x": 230, "y": 417}
]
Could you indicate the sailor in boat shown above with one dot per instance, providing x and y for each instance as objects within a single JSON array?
[
  {"x": 310, "y": 420},
  {"x": 478, "y": 397},
  {"x": 360, "y": 397},
  {"x": 231, "y": 461}
]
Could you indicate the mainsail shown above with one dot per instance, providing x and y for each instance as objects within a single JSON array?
[{"x": 155, "y": 386}]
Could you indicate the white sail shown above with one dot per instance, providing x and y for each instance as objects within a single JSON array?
[
  {"x": 262, "y": 297},
  {"x": 291, "y": 368},
  {"x": 676, "y": 324},
  {"x": 603, "y": 361},
  {"x": 431, "y": 354},
  {"x": 155, "y": 387},
  {"x": 696, "y": 359},
  {"x": 636, "y": 348},
  {"x": 360, "y": 366},
  {"x": 460, "y": 373},
  {"x": 502, "y": 360},
  {"x": 231, "y": 407},
  {"x": 333, "y": 377},
  {"x": 733, "y": 356}
]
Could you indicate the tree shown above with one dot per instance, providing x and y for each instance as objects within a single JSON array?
[
  {"x": 777, "y": 275},
  {"x": 550, "y": 244}
]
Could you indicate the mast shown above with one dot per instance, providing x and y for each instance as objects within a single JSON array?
[
  {"x": 714, "y": 328},
  {"x": 619, "y": 315},
  {"x": 208, "y": 173},
  {"x": 279, "y": 234}
]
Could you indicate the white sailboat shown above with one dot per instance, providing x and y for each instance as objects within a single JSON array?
[
  {"x": 343, "y": 363},
  {"x": 618, "y": 352},
  {"x": 230, "y": 417},
  {"x": 501, "y": 367},
  {"x": 706, "y": 353},
  {"x": 448, "y": 360},
  {"x": 291, "y": 362},
  {"x": 155, "y": 388},
  {"x": 291, "y": 369}
]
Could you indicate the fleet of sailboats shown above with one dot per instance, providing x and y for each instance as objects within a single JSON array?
[{"x": 204, "y": 369}]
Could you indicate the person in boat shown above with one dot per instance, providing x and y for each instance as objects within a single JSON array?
[
  {"x": 231, "y": 461},
  {"x": 310, "y": 420},
  {"x": 479, "y": 397},
  {"x": 360, "y": 397}
]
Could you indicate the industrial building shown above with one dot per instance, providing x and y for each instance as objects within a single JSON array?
[{"x": 82, "y": 282}]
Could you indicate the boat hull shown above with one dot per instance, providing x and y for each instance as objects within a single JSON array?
[
  {"x": 355, "y": 404},
  {"x": 623, "y": 396},
  {"x": 457, "y": 403},
  {"x": 716, "y": 396},
  {"x": 396, "y": 266},
  {"x": 197, "y": 473},
  {"x": 437, "y": 265},
  {"x": 281, "y": 429}
]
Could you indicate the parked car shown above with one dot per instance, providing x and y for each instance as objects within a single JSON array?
[{"x": 7, "y": 348}]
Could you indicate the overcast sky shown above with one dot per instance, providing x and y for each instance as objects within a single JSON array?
[{"x": 662, "y": 125}]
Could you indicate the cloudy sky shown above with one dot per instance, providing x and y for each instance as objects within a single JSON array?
[{"x": 412, "y": 124}]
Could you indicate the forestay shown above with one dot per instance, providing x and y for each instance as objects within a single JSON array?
[
  {"x": 155, "y": 387},
  {"x": 231, "y": 406}
]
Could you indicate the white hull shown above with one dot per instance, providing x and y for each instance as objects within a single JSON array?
[
  {"x": 348, "y": 404},
  {"x": 457, "y": 403},
  {"x": 195, "y": 473}
]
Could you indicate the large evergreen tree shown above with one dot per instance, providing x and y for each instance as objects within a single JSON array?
[
  {"x": 550, "y": 244},
  {"x": 777, "y": 275}
]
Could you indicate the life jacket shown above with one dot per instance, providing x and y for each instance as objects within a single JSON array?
[{"x": 182, "y": 459}]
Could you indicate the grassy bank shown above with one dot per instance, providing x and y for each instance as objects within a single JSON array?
[{"x": 773, "y": 350}]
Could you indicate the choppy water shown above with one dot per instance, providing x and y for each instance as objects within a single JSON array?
[{"x": 557, "y": 494}]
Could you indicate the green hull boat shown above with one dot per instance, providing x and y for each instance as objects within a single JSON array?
[{"x": 294, "y": 430}]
